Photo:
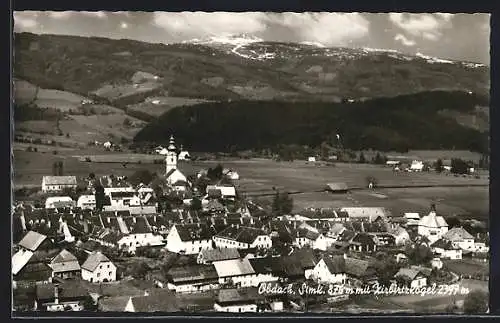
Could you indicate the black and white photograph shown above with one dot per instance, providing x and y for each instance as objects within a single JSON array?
[{"x": 233, "y": 163}]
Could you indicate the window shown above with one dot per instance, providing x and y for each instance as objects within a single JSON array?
[
  {"x": 100, "y": 267},
  {"x": 108, "y": 265},
  {"x": 98, "y": 274},
  {"x": 109, "y": 274}
]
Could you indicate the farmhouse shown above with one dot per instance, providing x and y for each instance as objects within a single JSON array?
[
  {"x": 190, "y": 238},
  {"x": 242, "y": 237},
  {"x": 411, "y": 277},
  {"x": 65, "y": 265},
  {"x": 412, "y": 219},
  {"x": 359, "y": 271},
  {"x": 58, "y": 183},
  {"x": 55, "y": 202},
  {"x": 446, "y": 249},
  {"x": 194, "y": 278},
  {"x": 337, "y": 188},
  {"x": 238, "y": 272},
  {"x": 239, "y": 300},
  {"x": 369, "y": 214},
  {"x": 363, "y": 242},
  {"x": 416, "y": 166},
  {"x": 307, "y": 235},
  {"x": 231, "y": 174},
  {"x": 98, "y": 268},
  {"x": 432, "y": 226},
  {"x": 460, "y": 238},
  {"x": 226, "y": 191},
  {"x": 330, "y": 270},
  {"x": 184, "y": 154},
  {"x": 401, "y": 236},
  {"x": 298, "y": 265},
  {"x": 208, "y": 256}
]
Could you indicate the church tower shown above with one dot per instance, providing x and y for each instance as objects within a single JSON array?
[{"x": 171, "y": 158}]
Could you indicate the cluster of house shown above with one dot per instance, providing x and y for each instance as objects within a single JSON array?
[{"x": 236, "y": 250}]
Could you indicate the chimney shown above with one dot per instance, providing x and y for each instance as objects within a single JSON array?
[
  {"x": 109, "y": 219},
  {"x": 154, "y": 218},
  {"x": 345, "y": 255},
  {"x": 56, "y": 294},
  {"x": 23, "y": 220},
  {"x": 134, "y": 219}
]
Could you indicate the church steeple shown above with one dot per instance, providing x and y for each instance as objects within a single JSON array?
[{"x": 171, "y": 158}]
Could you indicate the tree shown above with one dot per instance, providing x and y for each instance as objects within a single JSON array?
[
  {"x": 282, "y": 204},
  {"x": 127, "y": 122},
  {"x": 143, "y": 176},
  {"x": 385, "y": 267},
  {"x": 362, "y": 158},
  {"x": 91, "y": 176},
  {"x": 459, "y": 166},
  {"x": 378, "y": 159},
  {"x": 57, "y": 168},
  {"x": 371, "y": 180},
  {"x": 438, "y": 166},
  {"x": 215, "y": 174},
  {"x": 476, "y": 302},
  {"x": 195, "y": 204},
  {"x": 419, "y": 254},
  {"x": 100, "y": 197}
]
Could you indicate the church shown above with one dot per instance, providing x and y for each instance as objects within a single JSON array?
[{"x": 173, "y": 175}]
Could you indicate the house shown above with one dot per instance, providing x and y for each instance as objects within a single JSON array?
[
  {"x": 363, "y": 242},
  {"x": 337, "y": 188},
  {"x": 190, "y": 238},
  {"x": 98, "y": 268},
  {"x": 242, "y": 237},
  {"x": 184, "y": 154},
  {"x": 384, "y": 239},
  {"x": 460, "y": 238},
  {"x": 86, "y": 202},
  {"x": 411, "y": 277},
  {"x": 107, "y": 145},
  {"x": 65, "y": 265},
  {"x": 55, "y": 202},
  {"x": 194, "y": 278},
  {"x": 239, "y": 300},
  {"x": 330, "y": 270},
  {"x": 208, "y": 256},
  {"x": 238, "y": 272},
  {"x": 446, "y": 249},
  {"x": 412, "y": 218},
  {"x": 266, "y": 270},
  {"x": 359, "y": 271},
  {"x": 432, "y": 226},
  {"x": 401, "y": 236},
  {"x": 307, "y": 235},
  {"x": 369, "y": 214},
  {"x": 136, "y": 232},
  {"x": 58, "y": 183},
  {"x": 160, "y": 301},
  {"x": 311, "y": 159},
  {"x": 416, "y": 166},
  {"x": 57, "y": 298},
  {"x": 335, "y": 231},
  {"x": 227, "y": 191},
  {"x": 27, "y": 267},
  {"x": 298, "y": 265},
  {"x": 231, "y": 174}
]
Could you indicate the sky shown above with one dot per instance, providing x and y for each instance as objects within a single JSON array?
[{"x": 450, "y": 36}]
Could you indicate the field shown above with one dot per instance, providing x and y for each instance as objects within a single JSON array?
[
  {"x": 25, "y": 92},
  {"x": 164, "y": 104},
  {"x": 467, "y": 266},
  {"x": 114, "y": 92},
  {"x": 406, "y": 192}
]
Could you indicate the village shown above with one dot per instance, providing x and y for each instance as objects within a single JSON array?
[{"x": 194, "y": 242}]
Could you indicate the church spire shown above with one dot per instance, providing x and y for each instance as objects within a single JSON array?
[{"x": 171, "y": 146}]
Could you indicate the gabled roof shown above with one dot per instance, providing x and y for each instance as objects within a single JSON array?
[
  {"x": 432, "y": 220},
  {"x": 233, "y": 267},
  {"x": 211, "y": 255},
  {"x": 191, "y": 232},
  {"x": 444, "y": 244},
  {"x": 20, "y": 259},
  {"x": 337, "y": 186},
  {"x": 93, "y": 260},
  {"x": 335, "y": 265},
  {"x": 59, "y": 180},
  {"x": 356, "y": 267},
  {"x": 265, "y": 265},
  {"x": 364, "y": 239},
  {"x": 241, "y": 234},
  {"x": 243, "y": 295},
  {"x": 192, "y": 273},
  {"x": 407, "y": 272},
  {"x": 32, "y": 240},
  {"x": 63, "y": 256},
  {"x": 457, "y": 234},
  {"x": 159, "y": 301}
]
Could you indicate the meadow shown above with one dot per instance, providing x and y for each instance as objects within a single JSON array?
[{"x": 408, "y": 192}]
